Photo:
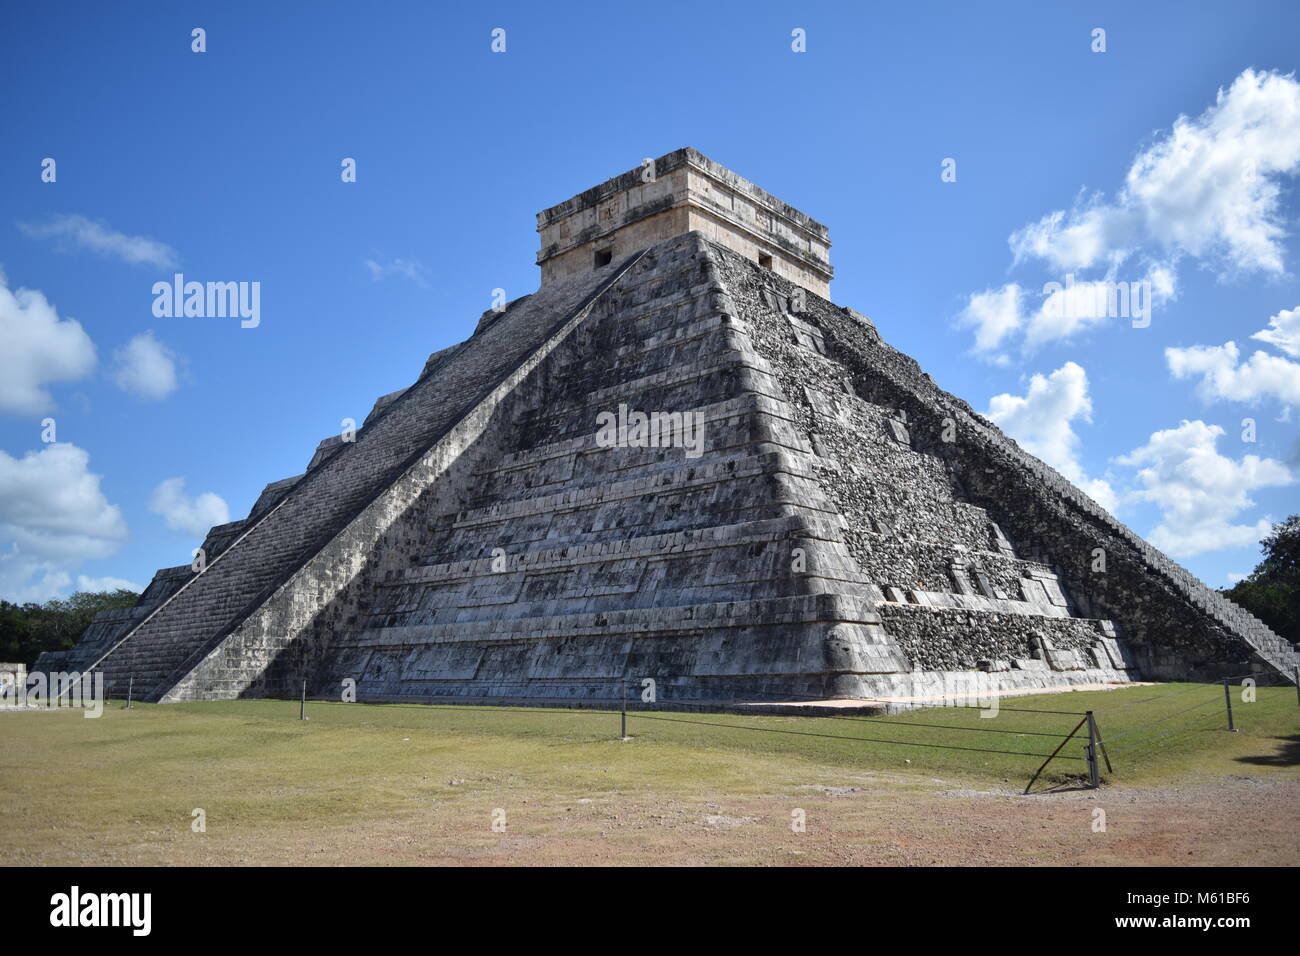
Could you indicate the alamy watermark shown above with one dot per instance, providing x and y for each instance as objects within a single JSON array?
[
  {"x": 633, "y": 429},
  {"x": 1095, "y": 300},
  {"x": 71, "y": 690},
  {"x": 129, "y": 910},
  {"x": 974, "y": 689},
  {"x": 208, "y": 300}
]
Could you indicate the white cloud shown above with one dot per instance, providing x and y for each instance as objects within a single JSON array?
[
  {"x": 1072, "y": 307},
  {"x": 1066, "y": 311},
  {"x": 402, "y": 268},
  {"x": 1005, "y": 319},
  {"x": 105, "y": 584},
  {"x": 1283, "y": 331},
  {"x": 182, "y": 513},
  {"x": 145, "y": 367},
  {"x": 53, "y": 516},
  {"x": 1094, "y": 234},
  {"x": 1040, "y": 421},
  {"x": 1200, "y": 492},
  {"x": 1207, "y": 189},
  {"x": 1224, "y": 377},
  {"x": 994, "y": 314},
  {"x": 37, "y": 348},
  {"x": 103, "y": 239}
]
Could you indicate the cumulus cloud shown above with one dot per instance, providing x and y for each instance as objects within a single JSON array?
[
  {"x": 1040, "y": 421},
  {"x": 401, "y": 268},
  {"x": 1225, "y": 377},
  {"x": 145, "y": 367},
  {"x": 1201, "y": 493},
  {"x": 37, "y": 348},
  {"x": 53, "y": 516},
  {"x": 73, "y": 231},
  {"x": 192, "y": 515},
  {"x": 1207, "y": 189},
  {"x": 1283, "y": 331}
]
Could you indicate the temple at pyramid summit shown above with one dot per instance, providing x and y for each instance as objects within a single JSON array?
[{"x": 677, "y": 460}]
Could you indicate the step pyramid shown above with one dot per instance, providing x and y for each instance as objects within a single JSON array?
[{"x": 800, "y": 514}]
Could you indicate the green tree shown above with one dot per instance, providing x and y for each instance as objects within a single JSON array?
[
  {"x": 1272, "y": 591},
  {"x": 15, "y": 632},
  {"x": 27, "y": 630}
]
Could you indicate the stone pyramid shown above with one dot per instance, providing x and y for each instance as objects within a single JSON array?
[{"x": 817, "y": 520}]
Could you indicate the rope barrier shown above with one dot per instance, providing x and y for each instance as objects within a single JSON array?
[
  {"x": 591, "y": 711},
  {"x": 1159, "y": 720},
  {"x": 632, "y": 712},
  {"x": 637, "y": 708},
  {"x": 806, "y": 733},
  {"x": 1124, "y": 748},
  {"x": 1197, "y": 685}
]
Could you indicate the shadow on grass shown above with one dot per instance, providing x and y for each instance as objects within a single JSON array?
[{"x": 1287, "y": 755}]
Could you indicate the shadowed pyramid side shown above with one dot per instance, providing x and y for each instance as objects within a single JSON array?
[{"x": 161, "y": 650}]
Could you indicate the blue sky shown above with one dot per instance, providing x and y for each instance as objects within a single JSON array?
[{"x": 225, "y": 165}]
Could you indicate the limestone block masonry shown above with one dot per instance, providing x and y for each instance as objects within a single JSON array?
[
  {"x": 483, "y": 538},
  {"x": 678, "y": 193}
]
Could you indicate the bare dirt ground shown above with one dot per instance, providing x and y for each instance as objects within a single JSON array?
[{"x": 863, "y": 820}]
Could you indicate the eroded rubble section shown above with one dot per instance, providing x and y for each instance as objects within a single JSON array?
[{"x": 987, "y": 557}]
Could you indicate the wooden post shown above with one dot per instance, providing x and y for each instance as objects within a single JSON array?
[
  {"x": 1227, "y": 700},
  {"x": 623, "y": 715},
  {"x": 302, "y": 707},
  {"x": 1094, "y": 774}
]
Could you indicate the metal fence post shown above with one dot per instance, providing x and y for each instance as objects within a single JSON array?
[
  {"x": 1297, "y": 685},
  {"x": 1227, "y": 699},
  {"x": 302, "y": 707},
  {"x": 1094, "y": 774},
  {"x": 130, "y": 690},
  {"x": 623, "y": 715}
]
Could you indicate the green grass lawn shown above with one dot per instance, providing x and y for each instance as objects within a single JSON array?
[
  {"x": 1153, "y": 732},
  {"x": 253, "y": 764}
]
